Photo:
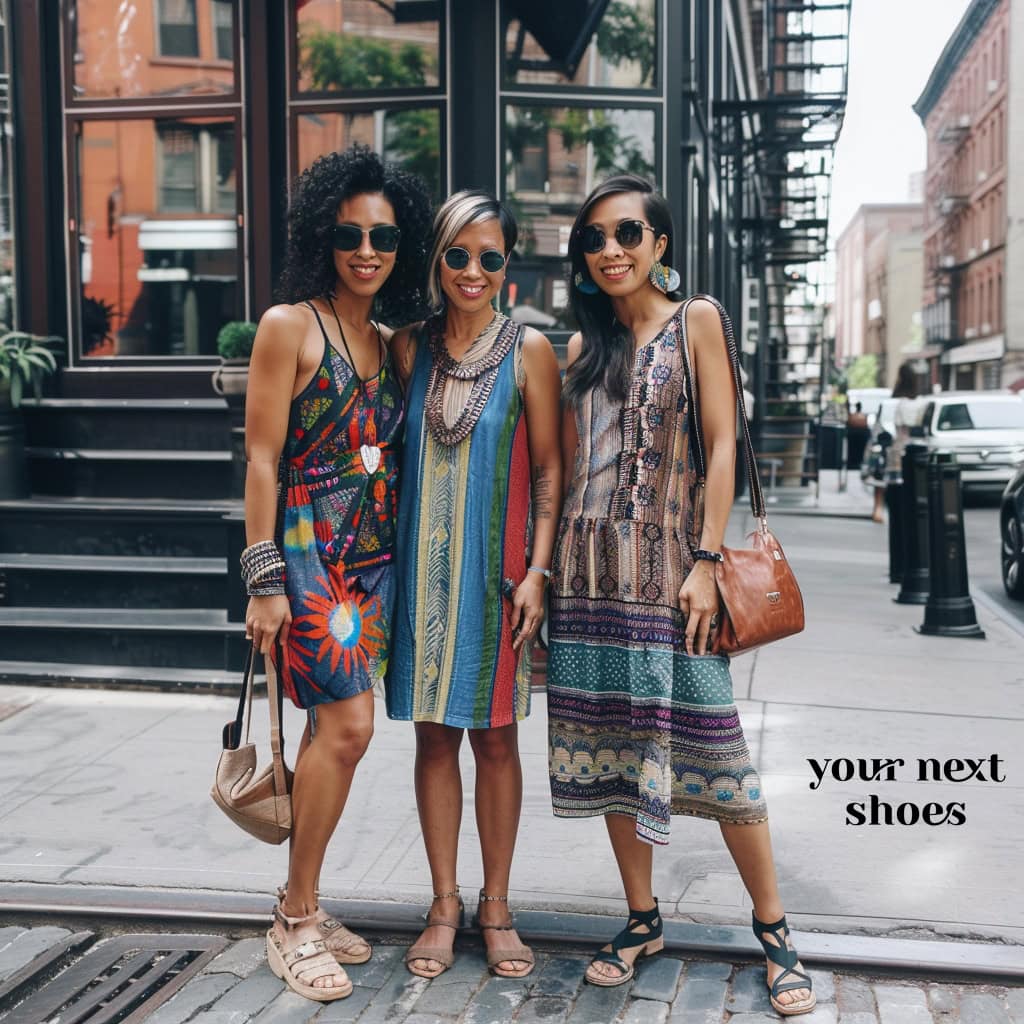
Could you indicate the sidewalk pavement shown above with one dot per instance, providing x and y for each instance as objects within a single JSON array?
[
  {"x": 110, "y": 787},
  {"x": 237, "y": 987}
]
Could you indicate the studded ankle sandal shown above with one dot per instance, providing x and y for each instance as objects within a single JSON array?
[
  {"x": 301, "y": 963},
  {"x": 500, "y": 956},
  {"x": 344, "y": 945},
  {"x": 444, "y": 955},
  {"x": 646, "y": 943},
  {"x": 781, "y": 953}
]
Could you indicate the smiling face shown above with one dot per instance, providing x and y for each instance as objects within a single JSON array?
[
  {"x": 362, "y": 271},
  {"x": 472, "y": 288},
  {"x": 616, "y": 270}
]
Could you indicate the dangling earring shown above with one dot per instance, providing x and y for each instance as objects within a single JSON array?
[
  {"x": 585, "y": 284},
  {"x": 665, "y": 279}
]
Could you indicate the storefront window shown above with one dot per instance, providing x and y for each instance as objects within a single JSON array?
[
  {"x": 364, "y": 45},
  {"x": 410, "y": 136},
  {"x": 7, "y": 311},
  {"x": 157, "y": 235},
  {"x": 590, "y": 43},
  {"x": 554, "y": 156},
  {"x": 152, "y": 48}
]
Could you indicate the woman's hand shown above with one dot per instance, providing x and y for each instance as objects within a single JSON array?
[
  {"x": 265, "y": 618},
  {"x": 527, "y": 609},
  {"x": 699, "y": 603}
]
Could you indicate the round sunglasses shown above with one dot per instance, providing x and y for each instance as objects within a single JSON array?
[
  {"x": 458, "y": 258},
  {"x": 383, "y": 237},
  {"x": 628, "y": 233}
]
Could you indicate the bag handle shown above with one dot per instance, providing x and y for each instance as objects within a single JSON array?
[
  {"x": 757, "y": 506},
  {"x": 276, "y": 701},
  {"x": 233, "y": 730}
]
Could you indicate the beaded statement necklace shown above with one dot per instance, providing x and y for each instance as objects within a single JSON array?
[{"x": 483, "y": 372}]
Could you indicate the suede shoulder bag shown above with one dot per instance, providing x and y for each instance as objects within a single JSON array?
[
  {"x": 257, "y": 800},
  {"x": 761, "y": 601}
]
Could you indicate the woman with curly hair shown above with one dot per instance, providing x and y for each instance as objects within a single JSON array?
[{"x": 324, "y": 414}]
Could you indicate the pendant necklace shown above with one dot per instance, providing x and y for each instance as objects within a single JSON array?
[{"x": 370, "y": 454}]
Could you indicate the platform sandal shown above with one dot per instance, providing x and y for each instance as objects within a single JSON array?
[
  {"x": 302, "y": 964},
  {"x": 781, "y": 953},
  {"x": 443, "y": 955},
  {"x": 646, "y": 943},
  {"x": 344, "y": 945},
  {"x": 500, "y": 956}
]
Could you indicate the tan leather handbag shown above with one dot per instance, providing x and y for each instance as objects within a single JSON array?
[
  {"x": 761, "y": 601},
  {"x": 257, "y": 800}
]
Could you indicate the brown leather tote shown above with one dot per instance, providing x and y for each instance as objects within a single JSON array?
[
  {"x": 257, "y": 800},
  {"x": 761, "y": 601}
]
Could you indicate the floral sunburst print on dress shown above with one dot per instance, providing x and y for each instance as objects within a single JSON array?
[{"x": 342, "y": 621}]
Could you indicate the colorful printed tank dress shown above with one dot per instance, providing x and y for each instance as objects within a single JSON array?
[
  {"x": 637, "y": 726},
  {"x": 337, "y": 529},
  {"x": 463, "y": 526}
]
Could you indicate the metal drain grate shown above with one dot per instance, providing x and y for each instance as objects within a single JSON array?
[{"x": 120, "y": 981}]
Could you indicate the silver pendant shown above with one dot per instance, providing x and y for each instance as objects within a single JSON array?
[{"x": 370, "y": 454}]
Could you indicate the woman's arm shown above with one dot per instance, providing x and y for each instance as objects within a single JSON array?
[
  {"x": 570, "y": 435},
  {"x": 272, "y": 372},
  {"x": 698, "y": 597},
  {"x": 542, "y": 397},
  {"x": 403, "y": 352}
]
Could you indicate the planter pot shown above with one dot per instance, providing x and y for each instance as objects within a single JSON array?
[
  {"x": 13, "y": 464},
  {"x": 230, "y": 380}
]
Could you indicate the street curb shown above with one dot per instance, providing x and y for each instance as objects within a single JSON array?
[
  {"x": 996, "y": 610},
  {"x": 921, "y": 958}
]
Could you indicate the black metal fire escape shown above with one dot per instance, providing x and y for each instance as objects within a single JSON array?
[{"x": 777, "y": 155}]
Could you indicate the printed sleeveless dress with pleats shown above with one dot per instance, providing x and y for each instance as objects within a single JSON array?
[
  {"x": 636, "y": 725},
  {"x": 336, "y": 528}
]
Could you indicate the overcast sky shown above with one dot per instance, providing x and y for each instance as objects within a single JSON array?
[{"x": 894, "y": 45}]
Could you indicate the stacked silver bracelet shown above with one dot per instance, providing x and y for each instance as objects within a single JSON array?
[{"x": 263, "y": 569}]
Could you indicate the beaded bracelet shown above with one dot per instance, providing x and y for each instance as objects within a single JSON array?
[{"x": 263, "y": 569}]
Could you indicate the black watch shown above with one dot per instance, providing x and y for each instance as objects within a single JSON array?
[{"x": 700, "y": 555}]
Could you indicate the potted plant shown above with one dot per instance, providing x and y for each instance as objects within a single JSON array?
[
  {"x": 234, "y": 346},
  {"x": 25, "y": 362}
]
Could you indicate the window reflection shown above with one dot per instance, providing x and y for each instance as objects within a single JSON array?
[
  {"x": 157, "y": 235},
  {"x": 410, "y": 136},
  {"x": 152, "y": 48},
  {"x": 6, "y": 180},
  {"x": 554, "y": 157},
  {"x": 346, "y": 45},
  {"x": 574, "y": 42}
]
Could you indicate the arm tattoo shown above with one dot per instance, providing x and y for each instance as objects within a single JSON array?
[{"x": 541, "y": 493}]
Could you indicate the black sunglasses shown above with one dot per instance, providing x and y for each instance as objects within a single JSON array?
[
  {"x": 458, "y": 259},
  {"x": 383, "y": 237},
  {"x": 628, "y": 233}
]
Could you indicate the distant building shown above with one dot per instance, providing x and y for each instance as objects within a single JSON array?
[
  {"x": 973, "y": 328},
  {"x": 879, "y": 286}
]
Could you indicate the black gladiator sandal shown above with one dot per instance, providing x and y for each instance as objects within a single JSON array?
[
  {"x": 648, "y": 942},
  {"x": 782, "y": 954}
]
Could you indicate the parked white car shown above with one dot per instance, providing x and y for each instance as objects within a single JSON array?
[{"x": 984, "y": 429}]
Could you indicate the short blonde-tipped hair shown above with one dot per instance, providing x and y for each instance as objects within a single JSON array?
[{"x": 470, "y": 206}]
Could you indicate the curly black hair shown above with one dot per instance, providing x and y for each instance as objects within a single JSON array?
[{"x": 316, "y": 194}]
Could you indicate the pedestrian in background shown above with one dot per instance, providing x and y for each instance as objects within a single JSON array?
[
  {"x": 323, "y": 415},
  {"x": 481, "y": 463},
  {"x": 858, "y": 433},
  {"x": 642, "y": 722}
]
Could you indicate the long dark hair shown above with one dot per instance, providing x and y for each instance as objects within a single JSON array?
[
  {"x": 606, "y": 356},
  {"x": 309, "y": 270},
  {"x": 906, "y": 382}
]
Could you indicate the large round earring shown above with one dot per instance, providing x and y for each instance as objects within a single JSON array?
[
  {"x": 585, "y": 284},
  {"x": 665, "y": 279}
]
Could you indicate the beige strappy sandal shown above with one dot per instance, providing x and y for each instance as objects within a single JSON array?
[
  {"x": 299, "y": 966},
  {"x": 344, "y": 945},
  {"x": 444, "y": 955},
  {"x": 500, "y": 956}
]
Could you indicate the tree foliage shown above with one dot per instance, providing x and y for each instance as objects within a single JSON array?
[
  {"x": 335, "y": 61},
  {"x": 627, "y": 34},
  {"x": 863, "y": 372}
]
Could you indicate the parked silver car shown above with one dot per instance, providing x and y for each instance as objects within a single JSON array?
[{"x": 984, "y": 429}]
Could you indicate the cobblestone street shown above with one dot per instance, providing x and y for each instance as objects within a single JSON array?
[{"x": 238, "y": 987}]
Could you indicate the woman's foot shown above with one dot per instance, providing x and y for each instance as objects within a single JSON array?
[
  {"x": 642, "y": 936},
  {"x": 433, "y": 952},
  {"x": 507, "y": 957},
  {"x": 298, "y": 955},
  {"x": 344, "y": 945},
  {"x": 789, "y": 986}
]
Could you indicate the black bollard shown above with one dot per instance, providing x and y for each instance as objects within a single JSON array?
[
  {"x": 950, "y": 610},
  {"x": 914, "y": 582},
  {"x": 894, "y": 504}
]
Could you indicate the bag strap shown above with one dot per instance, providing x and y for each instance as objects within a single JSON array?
[
  {"x": 276, "y": 701},
  {"x": 757, "y": 506},
  {"x": 233, "y": 730}
]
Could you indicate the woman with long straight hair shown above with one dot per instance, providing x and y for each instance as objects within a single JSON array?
[
  {"x": 481, "y": 464},
  {"x": 642, "y": 723},
  {"x": 323, "y": 415}
]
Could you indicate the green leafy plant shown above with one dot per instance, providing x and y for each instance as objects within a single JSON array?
[
  {"x": 235, "y": 338},
  {"x": 25, "y": 359},
  {"x": 863, "y": 371}
]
